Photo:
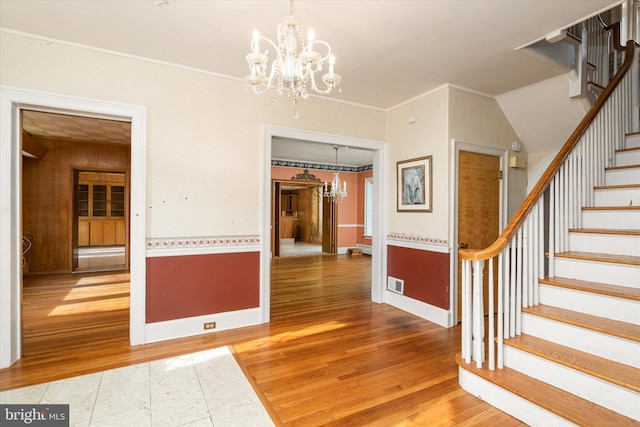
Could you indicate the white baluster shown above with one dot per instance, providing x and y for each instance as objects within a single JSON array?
[
  {"x": 501, "y": 314},
  {"x": 512, "y": 287},
  {"x": 467, "y": 320},
  {"x": 519, "y": 283},
  {"x": 491, "y": 310},
  {"x": 478, "y": 313},
  {"x": 552, "y": 227}
]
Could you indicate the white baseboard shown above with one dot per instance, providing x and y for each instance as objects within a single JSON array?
[
  {"x": 181, "y": 328},
  {"x": 421, "y": 309}
]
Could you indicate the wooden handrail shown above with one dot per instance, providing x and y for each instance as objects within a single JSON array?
[{"x": 538, "y": 191}]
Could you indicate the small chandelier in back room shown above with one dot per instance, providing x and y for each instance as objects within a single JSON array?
[
  {"x": 335, "y": 189},
  {"x": 291, "y": 70}
]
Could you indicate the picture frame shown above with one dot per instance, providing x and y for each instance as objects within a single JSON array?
[{"x": 414, "y": 185}]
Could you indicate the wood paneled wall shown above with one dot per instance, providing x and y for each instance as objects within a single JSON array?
[{"x": 47, "y": 197}]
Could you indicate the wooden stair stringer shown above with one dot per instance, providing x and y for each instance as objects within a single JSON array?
[{"x": 566, "y": 405}]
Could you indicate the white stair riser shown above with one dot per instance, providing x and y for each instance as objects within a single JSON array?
[
  {"x": 586, "y": 340},
  {"x": 611, "y": 219},
  {"x": 615, "y": 244},
  {"x": 633, "y": 141},
  {"x": 621, "y": 309},
  {"x": 603, "y": 393},
  {"x": 622, "y": 176},
  {"x": 617, "y": 197},
  {"x": 627, "y": 158},
  {"x": 603, "y": 272},
  {"x": 514, "y": 405}
]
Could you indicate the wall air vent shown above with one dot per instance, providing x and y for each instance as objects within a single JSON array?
[{"x": 395, "y": 285}]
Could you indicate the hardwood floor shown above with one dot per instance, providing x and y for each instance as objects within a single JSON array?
[{"x": 328, "y": 357}]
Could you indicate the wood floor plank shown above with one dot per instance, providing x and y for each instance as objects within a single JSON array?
[{"x": 329, "y": 356}]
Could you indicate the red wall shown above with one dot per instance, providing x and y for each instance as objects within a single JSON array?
[
  {"x": 425, "y": 274},
  {"x": 194, "y": 285},
  {"x": 349, "y": 209}
]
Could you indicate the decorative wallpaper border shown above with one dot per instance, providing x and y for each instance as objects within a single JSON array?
[
  {"x": 417, "y": 239},
  {"x": 201, "y": 245},
  {"x": 320, "y": 166}
]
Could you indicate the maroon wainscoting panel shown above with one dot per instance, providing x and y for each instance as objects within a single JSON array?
[
  {"x": 194, "y": 285},
  {"x": 425, "y": 274}
]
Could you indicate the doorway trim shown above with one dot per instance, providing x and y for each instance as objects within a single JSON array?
[
  {"x": 12, "y": 100},
  {"x": 456, "y": 146},
  {"x": 378, "y": 255}
]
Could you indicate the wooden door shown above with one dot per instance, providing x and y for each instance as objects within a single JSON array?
[
  {"x": 329, "y": 226},
  {"x": 478, "y": 210},
  {"x": 275, "y": 234}
]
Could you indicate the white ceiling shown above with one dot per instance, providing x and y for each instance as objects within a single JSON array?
[{"x": 386, "y": 51}]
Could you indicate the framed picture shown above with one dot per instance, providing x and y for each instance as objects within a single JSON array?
[{"x": 414, "y": 185}]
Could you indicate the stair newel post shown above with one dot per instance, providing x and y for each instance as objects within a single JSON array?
[
  {"x": 478, "y": 313},
  {"x": 466, "y": 311}
]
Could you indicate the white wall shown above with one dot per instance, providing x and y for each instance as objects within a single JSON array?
[
  {"x": 480, "y": 120},
  {"x": 543, "y": 115},
  {"x": 203, "y": 149},
  {"x": 428, "y": 136}
]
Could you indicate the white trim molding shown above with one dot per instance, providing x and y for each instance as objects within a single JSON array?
[
  {"x": 12, "y": 101},
  {"x": 191, "y": 326},
  {"x": 202, "y": 245},
  {"x": 379, "y": 150},
  {"x": 421, "y": 309}
]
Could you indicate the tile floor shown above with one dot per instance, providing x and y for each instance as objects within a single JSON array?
[
  {"x": 289, "y": 247},
  {"x": 201, "y": 389}
]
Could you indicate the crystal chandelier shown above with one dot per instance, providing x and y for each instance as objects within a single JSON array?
[
  {"x": 291, "y": 70},
  {"x": 335, "y": 190}
]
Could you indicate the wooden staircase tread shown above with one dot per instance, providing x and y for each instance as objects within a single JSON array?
[
  {"x": 553, "y": 399},
  {"x": 611, "y": 208},
  {"x": 607, "y": 370},
  {"x": 632, "y": 133},
  {"x": 605, "y": 231},
  {"x": 616, "y": 187},
  {"x": 624, "y": 150},
  {"x": 612, "y": 168},
  {"x": 594, "y": 287},
  {"x": 624, "y": 330},
  {"x": 593, "y": 256}
]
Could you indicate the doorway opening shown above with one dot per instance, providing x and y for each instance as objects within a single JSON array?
[
  {"x": 308, "y": 141},
  {"x": 76, "y": 186},
  {"x": 13, "y": 101},
  {"x": 100, "y": 221},
  {"x": 301, "y": 219}
]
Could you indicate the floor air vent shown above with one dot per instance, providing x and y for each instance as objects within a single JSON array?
[{"x": 395, "y": 285}]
